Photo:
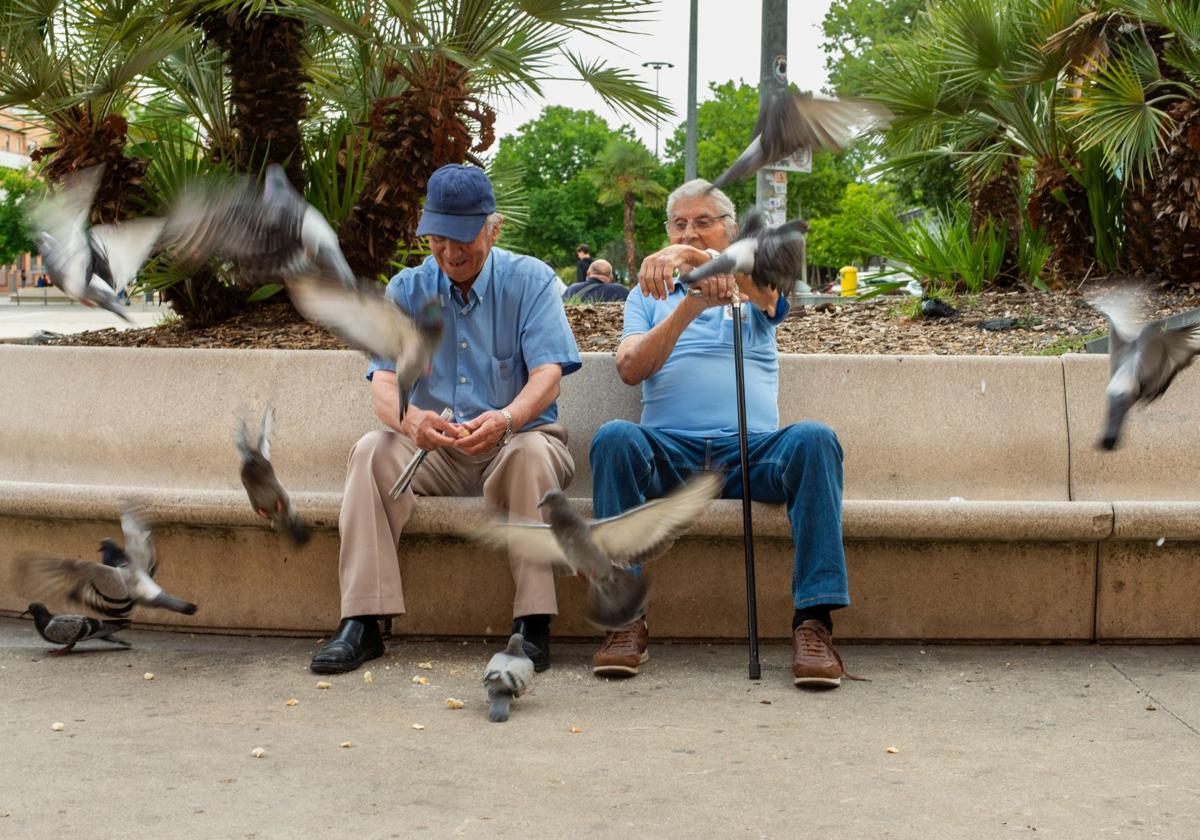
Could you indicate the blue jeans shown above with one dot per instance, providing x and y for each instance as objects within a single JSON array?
[{"x": 799, "y": 465}]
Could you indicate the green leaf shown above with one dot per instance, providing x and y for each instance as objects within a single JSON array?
[{"x": 264, "y": 292}]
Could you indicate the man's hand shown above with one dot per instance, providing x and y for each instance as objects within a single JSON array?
[
  {"x": 428, "y": 428},
  {"x": 655, "y": 278},
  {"x": 714, "y": 291},
  {"x": 483, "y": 433}
]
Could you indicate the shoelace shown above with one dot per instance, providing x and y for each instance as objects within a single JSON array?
[{"x": 626, "y": 639}]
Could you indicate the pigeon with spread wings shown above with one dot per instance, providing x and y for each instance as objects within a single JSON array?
[
  {"x": 604, "y": 550},
  {"x": 91, "y": 264},
  {"x": 1143, "y": 359},
  {"x": 112, "y": 587},
  {"x": 374, "y": 324},
  {"x": 773, "y": 256},
  {"x": 791, "y": 121}
]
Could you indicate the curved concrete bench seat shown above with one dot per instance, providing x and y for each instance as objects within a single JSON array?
[{"x": 976, "y": 507}]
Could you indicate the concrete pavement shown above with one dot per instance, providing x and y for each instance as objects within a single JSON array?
[
  {"x": 24, "y": 319},
  {"x": 993, "y": 742}
]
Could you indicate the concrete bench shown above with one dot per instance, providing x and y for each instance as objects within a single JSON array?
[{"x": 961, "y": 518}]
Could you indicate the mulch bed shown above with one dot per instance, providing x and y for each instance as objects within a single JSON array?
[{"x": 1044, "y": 322}]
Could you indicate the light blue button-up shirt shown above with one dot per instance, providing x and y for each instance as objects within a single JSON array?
[
  {"x": 511, "y": 322},
  {"x": 695, "y": 392}
]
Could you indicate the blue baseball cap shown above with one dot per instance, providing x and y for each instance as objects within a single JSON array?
[{"x": 458, "y": 201}]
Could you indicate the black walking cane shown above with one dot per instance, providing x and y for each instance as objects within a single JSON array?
[{"x": 747, "y": 524}]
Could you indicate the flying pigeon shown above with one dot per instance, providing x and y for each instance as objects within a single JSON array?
[
  {"x": 1142, "y": 360},
  {"x": 90, "y": 264},
  {"x": 791, "y": 121},
  {"x": 376, "y": 325},
  {"x": 70, "y": 630},
  {"x": 604, "y": 550},
  {"x": 112, "y": 587},
  {"x": 267, "y": 496},
  {"x": 773, "y": 256},
  {"x": 508, "y": 674},
  {"x": 269, "y": 233}
]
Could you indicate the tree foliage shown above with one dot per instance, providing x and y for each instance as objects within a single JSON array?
[
  {"x": 837, "y": 240},
  {"x": 15, "y": 187}
]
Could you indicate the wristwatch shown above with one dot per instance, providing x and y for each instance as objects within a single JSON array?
[{"x": 508, "y": 429}]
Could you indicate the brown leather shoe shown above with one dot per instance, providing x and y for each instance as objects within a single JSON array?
[
  {"x": 623, "y": 651},
  {"x": 815, "y": 661}
]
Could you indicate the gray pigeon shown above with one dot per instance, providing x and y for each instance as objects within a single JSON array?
[
  {"x": 773, "y": 256},
  {"x": 112, "y": 587},
  {"x": 374, "y": 324},
  {"x": 267, "y": 496},
  {"x": 90, "y": 264},
  {"x": 269, "y": 233},
  {"x": 604, "y": 550},
  {"x": 70, "y": 630},
  {"x": 508, "y": 674},
  {"x": 791, "y": 121},
  {"x": 1142, "y": 360}
]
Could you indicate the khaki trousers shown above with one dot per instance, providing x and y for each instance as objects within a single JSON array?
[{"x": 513, "y": 478}]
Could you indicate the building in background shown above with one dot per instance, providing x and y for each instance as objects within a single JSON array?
[{"x": 19, "y": 136}]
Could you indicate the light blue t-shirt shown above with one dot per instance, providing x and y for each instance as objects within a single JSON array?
[
  {"x": 695, "y": 391},
  {"x": 511, "y": 322}
]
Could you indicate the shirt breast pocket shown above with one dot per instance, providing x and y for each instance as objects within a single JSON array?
[{"x": 504, "y": 380}]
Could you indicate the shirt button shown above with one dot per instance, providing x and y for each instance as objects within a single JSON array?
[
  {"x": 462, "y": 380},
  {"x": 463, "y": 345}
]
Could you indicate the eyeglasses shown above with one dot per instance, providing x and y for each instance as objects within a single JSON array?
[{"x": 699, "y": 224}]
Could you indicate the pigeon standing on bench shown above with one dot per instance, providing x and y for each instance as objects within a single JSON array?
[
  {"x": 376, "y": 325},
  {"x": 267, "y": 496},
  {"x": 1143, "y": 360},
  {"x": 112, "y": 587},
  {"x": 270, "y": 233},
  {"x": 70, "y": 630},
  {"x": 91, "y": 265},
  {"x": 604, "y": 550},
  {"x": 508, "y": 674},
  {"x": 773, "y": 256},
  {"x": 791, "y": 121}
]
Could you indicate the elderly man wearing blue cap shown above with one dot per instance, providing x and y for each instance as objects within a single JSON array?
[{"x": 505, "y": 349}]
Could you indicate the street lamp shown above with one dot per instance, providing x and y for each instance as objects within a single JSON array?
[{"x": 658, "y": 68}]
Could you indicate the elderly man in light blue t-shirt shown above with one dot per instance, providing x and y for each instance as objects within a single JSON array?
[
  {"x": 505, "y": 348},
  {"x": 679, "y": 347}
]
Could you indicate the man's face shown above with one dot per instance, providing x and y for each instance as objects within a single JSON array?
[
  {"x": 706, "y": 228},
  {"x": 462, "y": 261}
]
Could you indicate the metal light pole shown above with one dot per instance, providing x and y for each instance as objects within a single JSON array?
[
  {"x": 689, "y": 154},
  {"x": 658, "y": 68}
]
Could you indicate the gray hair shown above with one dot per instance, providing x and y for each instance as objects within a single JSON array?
[
  {"x": 493, "y": 221},
  {"x": 699, "y": 188}
]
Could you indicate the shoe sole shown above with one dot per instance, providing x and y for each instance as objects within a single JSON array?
[
  {"x": 620, "y": 670},
  {"x": 345, "y": 668},
  {"x": 818, "y": 682}
]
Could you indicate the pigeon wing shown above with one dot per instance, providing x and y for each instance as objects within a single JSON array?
[
  {"x": 126, "y": 247},
  {"x": 264, "y": 434},
  {"x": 98, "y": 587},
  {"x": 818, "y": 123},
  {"x": 1123, "y": 316},
  {"x": 61, "y": 221},
  {"x": 69, "y": 629},
  {"x": 1164, "y": 355},
  {"x": 533, "y": 541},
  {"x": 139, "y": 542},
  {"x": 646, "y": 532}
]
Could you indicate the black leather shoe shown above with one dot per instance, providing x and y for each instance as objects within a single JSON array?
[
  {"x": 357, "y": 640},
  {"x": 537, "y": 644}
]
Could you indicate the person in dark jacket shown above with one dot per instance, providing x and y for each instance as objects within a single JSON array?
[{"x": 598, "y": 287}]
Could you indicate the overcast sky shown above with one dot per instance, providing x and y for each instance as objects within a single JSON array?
[{"x": 729, "y": 36}]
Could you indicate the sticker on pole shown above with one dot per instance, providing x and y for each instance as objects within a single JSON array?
[{"x": 798, "y": 161}]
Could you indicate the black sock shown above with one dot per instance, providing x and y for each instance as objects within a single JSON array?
[
  {"x": 536, "y": 625},
  {"x": 820, "y": 612}
]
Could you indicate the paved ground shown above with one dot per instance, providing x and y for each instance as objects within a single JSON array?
[
  {"x": 25, "y": 319},
  {"x": 1049, "y": 742}
]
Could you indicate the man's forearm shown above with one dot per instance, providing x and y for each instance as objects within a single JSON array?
[{"x": 541, "y": 390}]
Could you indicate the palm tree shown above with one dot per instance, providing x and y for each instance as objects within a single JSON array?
[{"x": 624, "y": 174}]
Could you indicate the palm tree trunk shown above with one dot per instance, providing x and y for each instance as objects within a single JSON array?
[
  {"x": 1059, "y": 205},
  {"x": 996, "y": 201},
  {"x": 629, "y": 255}
]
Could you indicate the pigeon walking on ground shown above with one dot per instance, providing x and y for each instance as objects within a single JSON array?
[
  {"x": 376, "y": 325},
  {"x": 70, "y": 630},
  {"x": 791, "y": 121},
  {"x": 1142, "y": 359},
  {"x": 111, "y": 588},
  {"x": 267, "y": 496},
  {"x": 271, "y": 233},
  {"x": 604, "y": 550},
  {"x": 773, "y": 256},
  {"x": 90, "y": 264},
  {"x": 508, "y": 674}
]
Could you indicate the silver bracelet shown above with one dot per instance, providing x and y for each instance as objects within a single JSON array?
[{"x": 508, "y": 429}]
